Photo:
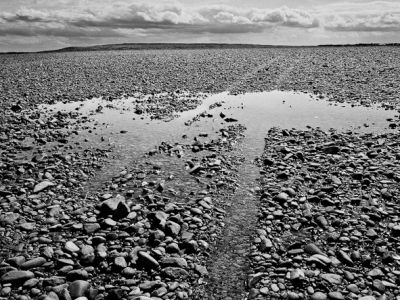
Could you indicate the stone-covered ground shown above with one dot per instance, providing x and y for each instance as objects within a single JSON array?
[
  {"x": 328, "y": 212},
  {"x": 328, "y": 225}
]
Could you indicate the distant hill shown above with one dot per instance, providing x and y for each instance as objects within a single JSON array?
[{"x": 150, "y": 46}]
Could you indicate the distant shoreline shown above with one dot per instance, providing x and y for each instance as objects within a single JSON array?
[{"x": 177, "y": 46}]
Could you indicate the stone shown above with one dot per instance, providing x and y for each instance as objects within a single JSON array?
[
  {"x": 16, "y": 276},
  {"x": 265, "y": 244},
  {"x": 334, "y": 279},
  {"x": 335, "y": 296},
  {"x": 172, "y": 228},
  {"x": 147, "y": 261},
  {"x": 51, "y": 296},
  {"x": 376, "y": 272},
  {"x": 174, "y": 262},
  {"x": 320, "y": 258},
  {"x": 158, "y": 218},
  {"x": 42, "y": 186},
  {"x": 33, "y": 263},
  {"x": 297, "y": 275},
  {"x": 313, "y": 249},
  {"x": 78, "y": 288},
  {"x": 202, "y": 270},
  {"x": 281, "y": 198},
  {"x": 319, "y": 296},
  {"x": 27, "y": 226},
  {"x": 120, "y": 262},
  {"x": 30, "y": 283},
  {"x": 87, "y": 255},
  {"x": 116, "y": 207},
  {"x": 71, "y": 247},
  {"x": 353, "y": 288},
  {"x": 80, "y": 274},
  {"x": 91, "y": 227},
  {"x": 175, "y": 273},
  {"x": 345, "y": 258},
  {"x": 378, "y": 285},
  {"x": 293, "y": 296}
]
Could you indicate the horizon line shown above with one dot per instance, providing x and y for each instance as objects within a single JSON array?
[{"x": 103, "y": 47}]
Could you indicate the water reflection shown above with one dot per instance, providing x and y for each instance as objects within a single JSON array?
[{"x": 116, "y": 123}]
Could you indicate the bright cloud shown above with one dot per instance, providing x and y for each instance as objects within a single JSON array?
[{"x": 95, "y": 19}]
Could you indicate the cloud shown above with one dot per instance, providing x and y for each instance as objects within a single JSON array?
[
  {"x": 95, "y": 19},
  {"x": 364, "y": 22},
  {"x": 173, "y": 17},
  {"x": 375, "y": 16}
]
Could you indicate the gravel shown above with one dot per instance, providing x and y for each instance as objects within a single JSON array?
[
  {"x": 327, "y": 225},
  {"x": 333, "y": 237}
]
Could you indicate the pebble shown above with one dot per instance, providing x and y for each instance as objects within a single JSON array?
[
  {"x": 78, "y": 288},
  {"x": 335, "y": 191},
  {"x": 319, "y": 296}
]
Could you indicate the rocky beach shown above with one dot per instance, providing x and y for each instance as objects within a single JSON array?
[{"x": 255, "y": 173}]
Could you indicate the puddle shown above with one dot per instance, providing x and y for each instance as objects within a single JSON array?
[
  {"x": 115, "y": 123},
  {"x": 259, "y": 112},
  {"x": 132, "y": 135}
]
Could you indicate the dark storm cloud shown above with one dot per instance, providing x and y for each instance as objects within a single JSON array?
[{"x": 117, "y": 19}]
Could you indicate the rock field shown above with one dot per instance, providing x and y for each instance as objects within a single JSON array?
[{"x": 323, "y": 217}]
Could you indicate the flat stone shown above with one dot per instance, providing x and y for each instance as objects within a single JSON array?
[
  {"x": 28, "y": 226},
  {"x": 319, "y": 296},
  {"x": 320, "y": 258},
  {"x": 175, "y": 273},
  {"x": 336, "y": 296},
  {"x": 71, "y": 247},
  {"x": 334, "y": 279},
  {"x": 174, "y": 262},
  {"x": 377, "y": 272},
  {"x": 16, "y": 276},
  {"x": 33, "y": 263},
  {"x": 91, "y": 227},
  {"x": 80, "y": 274},
  {"x": 42, "y": 186}
]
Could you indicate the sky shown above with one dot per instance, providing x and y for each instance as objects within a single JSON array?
[{"x": 32, "y": 25}]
